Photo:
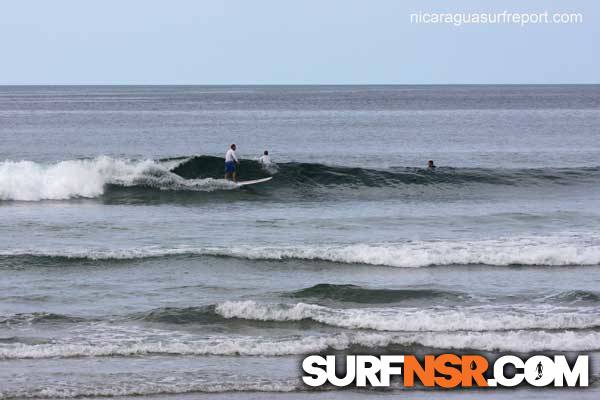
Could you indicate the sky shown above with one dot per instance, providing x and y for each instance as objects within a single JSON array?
[{"x": 291, "y": 42}]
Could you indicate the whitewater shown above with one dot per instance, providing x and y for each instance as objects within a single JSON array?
[
  {"x": 31, "y": 181},
  {"x": 559, "y": 250}
]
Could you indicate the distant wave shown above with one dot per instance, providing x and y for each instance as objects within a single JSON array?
[
  {"x": 544, "y": 251},
  {"x": 37, "y": 318},
  {"x": 93, "y": 178}
]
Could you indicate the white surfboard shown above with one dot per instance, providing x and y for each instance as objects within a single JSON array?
[{"x": 246, "y": 183}]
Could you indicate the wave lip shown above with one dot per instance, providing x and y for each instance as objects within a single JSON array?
[{"x": 88, "y": 178}]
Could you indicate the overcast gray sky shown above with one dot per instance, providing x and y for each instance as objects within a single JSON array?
[{"x": 290, "y": 42}]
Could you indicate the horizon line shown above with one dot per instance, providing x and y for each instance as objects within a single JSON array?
[{"x": 302, "y": 84}]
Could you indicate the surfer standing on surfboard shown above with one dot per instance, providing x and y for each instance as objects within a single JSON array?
[{"x": 230, "y": 161}]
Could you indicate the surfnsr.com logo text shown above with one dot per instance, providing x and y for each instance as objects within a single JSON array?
[{"x": 446, "y": 371}]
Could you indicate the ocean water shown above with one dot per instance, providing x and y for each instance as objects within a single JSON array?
[{"x": 129, "y": 267}]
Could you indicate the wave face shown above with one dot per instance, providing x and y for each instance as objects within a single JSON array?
[
  {"x": 511, "y": 340},
  {"x": 141, "y": 385},
  {"x": 38, "y": 318},
  {"x": 530, "y": 251},
  {"x": 475, "y": 318},
  {"x": 314, "y": 174},
  {"x": 357, "y": 294},
  {"x": 577, "y": 296},
  {"x": 92, "y": 178}
]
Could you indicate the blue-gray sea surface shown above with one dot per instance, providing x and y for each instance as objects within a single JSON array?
[{"x": 130, "y": 267}]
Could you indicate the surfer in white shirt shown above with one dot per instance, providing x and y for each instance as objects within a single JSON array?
[
  {"x": 230, "y": 161},
  {"x": 264, "y": 159}
]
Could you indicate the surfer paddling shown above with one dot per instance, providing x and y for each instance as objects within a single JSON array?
[{"x": 230, "y": 161}]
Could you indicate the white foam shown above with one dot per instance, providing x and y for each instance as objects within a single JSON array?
[
  {"x": 30, "y": 181},
  {"x": 519, "y": 341},
  {"x": 554, "y": 251},
  {"x": 513, "y": 340},
  {"x": 97, "y": 253},
  {"x": 547, "y": 251},
  {"x": 488, "y": 318}
]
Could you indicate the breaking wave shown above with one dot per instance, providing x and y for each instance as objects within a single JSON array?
[
  {"x": 93, "y": 178},
  {"x": 474, "y": 319},
  {"x": 88, "y": 178},
  {"x": 577, "y": 296},
  {"x": 558, "y": 311},
  {"x": 532, "y": 251},
  {"x": 514, "y": 340}
]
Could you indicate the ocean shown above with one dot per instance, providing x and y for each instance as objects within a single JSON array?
[{"x": 130, "y": 267}]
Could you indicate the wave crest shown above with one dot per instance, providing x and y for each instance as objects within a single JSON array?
[{"x": 88, "y": 178}]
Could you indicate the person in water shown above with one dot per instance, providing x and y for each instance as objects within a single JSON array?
[
  {"x": 230, "y": 161},
  {"x": 431, "y": 165},
  {"x": 264, "y": 159}
]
